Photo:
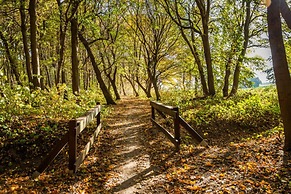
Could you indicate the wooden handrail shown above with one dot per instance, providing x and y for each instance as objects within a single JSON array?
[
  {"x": 169, "y": 110},
  {"x": 178, "y": 120},
  {"x": 173, "y": 112},
  {"x": 76, "y": 126}
]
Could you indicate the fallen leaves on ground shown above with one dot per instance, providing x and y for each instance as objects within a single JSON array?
[{"x": 244, "y": 165}]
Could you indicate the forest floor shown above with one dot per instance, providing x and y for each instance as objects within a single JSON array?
[{"x": 131, "y": 156}]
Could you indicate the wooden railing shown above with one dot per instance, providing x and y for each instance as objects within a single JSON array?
[
  {"x": 76, "y": 126},
  {"x": 172, "y": 111}
]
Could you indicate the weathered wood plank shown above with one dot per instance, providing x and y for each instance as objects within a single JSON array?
[
  {"x": 169, "y": 110},
  {"x": 177, "y": 126},
  {"x": 72, "y": 145},
  {"x": 85, "y": 151},
  {"x": 192, "y": 132},
  {"x": 86, "y": 119},
  {"x": 52, "y": 155},
  {"x": 169, "y": 135}
]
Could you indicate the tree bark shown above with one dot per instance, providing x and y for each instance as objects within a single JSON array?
[
  {"x": 24, "y": 40},
  {"x": 208, "y": 60},
  {"x": 226, "y": 79},
  {"x": 49, "y": 82},
  {"x": 282, "y": 75},
  {"x": 75, "y": 62},
  {"x": 103, "y": 87},
  {"x": 204, "y": 8},
  {"x": 243, "y": 51},
  {"x": 147, "y": 88},
  {"x": 286, "y": 13},
  {"x": 33, "y": 45},
  {"x": 62, "y": 37},
  {"x": 195, "y": 54},
  {"x": 11, "y": 59},
  {"x": 227, "y": 70},
  {"x": 122, "y": 86},
  {"x": 113, "y": 83}
]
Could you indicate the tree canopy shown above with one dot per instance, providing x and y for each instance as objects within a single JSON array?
[{"x": 132, "y": 45}]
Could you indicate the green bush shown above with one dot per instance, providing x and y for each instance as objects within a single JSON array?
[
  {"x": 249, "y": 107},
  {"x": 20, "y": 101}
]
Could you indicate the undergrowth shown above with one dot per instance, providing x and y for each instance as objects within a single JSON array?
[
  {"x": 58, "y": 103},
  {"x": 249, "y": 107},
  {"x": 32, "y": 121},
  {"x": 251, "y": 113}
]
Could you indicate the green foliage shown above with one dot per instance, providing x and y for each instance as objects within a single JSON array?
[
  {"x": 20, "y": 101},
  {"x": 250, "y": 108}
]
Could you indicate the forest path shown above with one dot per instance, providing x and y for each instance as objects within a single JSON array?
[{"x": 131, "y": 170}]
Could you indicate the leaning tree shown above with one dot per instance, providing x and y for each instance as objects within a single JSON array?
[{"x": 280, "y": 65}]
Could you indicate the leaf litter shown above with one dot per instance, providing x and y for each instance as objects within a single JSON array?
[{"x": 244, "y": 165}]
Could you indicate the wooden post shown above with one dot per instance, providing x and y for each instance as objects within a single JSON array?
[
  {"x": 177, "y": 127},
  {"x": 153, "y": 113},
  {"x": 98, "y": 115},
  {"x": 72, "y": 145}
]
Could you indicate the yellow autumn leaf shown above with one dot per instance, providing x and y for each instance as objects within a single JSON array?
[
  {"x": 242, "y": 187},
  {"x": 209, "y": 164},
  {"x": 194, "y": 188},
  {"x": 250, "y": 181}
]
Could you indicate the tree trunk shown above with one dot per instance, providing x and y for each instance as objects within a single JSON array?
[
  {"x": 156, "y": 88},
  {"x": 64, "y": 81},
  {"x": 42, "y": 84},
  {"x": 25, "y": 42},
  {"x": 227, "y": 70},
  {"x": 154, "y": 80},
  {"x": 201, "y": 73},
  {"x": 195, "y": 54},
  {"x": 243, "y": 51},
  {"x": 147, "y": 89},
  {"x": 11, "y": 59},
  {"x": 226, "y": 77},
  {"x": 122, "y": 86},
  {"x": 75, "y": 62},
  {"x": 103, "y": 87},
  {"x": 48, "y": 75},
  {"x": 204, "y": 8},
  {"x": 207, "y": 55},
  {"x": 113, "y": 83},
  {"x": 282, "y": 75},
  {"x": 33, "y": 45},
  {"x": 61, "y": 52},
  {"x": 62, "y": 37}
]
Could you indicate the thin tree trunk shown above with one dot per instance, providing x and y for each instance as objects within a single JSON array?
[
  {"x": 64, "y": 81},
  {"x": 195, "y": 54},
  {"x": 113, "y": 83},
  {"x": 24, "y": 40},
  {"x": 204, "y": 8},
  {"x": 133, "y": 87},
  {"x": 49, "y": 82},
  {"x": 156, "y": 88},
  {"x": 61, "y": 52},
  {"x": 282, "y": 74},
  {"x": 207, "y": 55},
  {"x": 75, "y": 62},
  {"x": 33, "y": 44},
  {"x": 146, "y": 89},
  {"x": 11, "y": 59},
  {"x": 243, "y": 51},
  {"x": 122, "y": 86},
  {"x": 226, "y": 77},
  {"x": 103, "y": 87}
]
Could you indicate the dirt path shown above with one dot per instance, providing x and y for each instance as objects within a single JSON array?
[{"x": 132, "y": 171}]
